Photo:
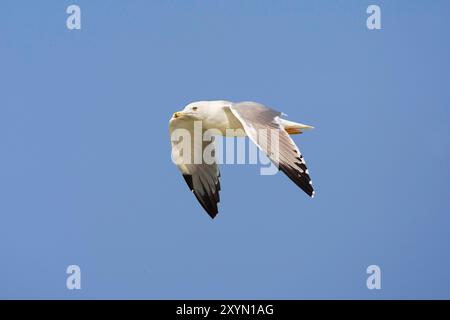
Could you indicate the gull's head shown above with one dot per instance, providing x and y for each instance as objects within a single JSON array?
[{"x": 193, "y": 111}]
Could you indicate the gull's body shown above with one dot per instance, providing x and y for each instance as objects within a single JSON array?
[{"x": 244, "y": 119}]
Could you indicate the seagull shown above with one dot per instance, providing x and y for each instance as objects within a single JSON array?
[{"x": 248, "y": 118}]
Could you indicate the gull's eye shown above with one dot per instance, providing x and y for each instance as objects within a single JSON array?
[{"x": 194, "y": 108}]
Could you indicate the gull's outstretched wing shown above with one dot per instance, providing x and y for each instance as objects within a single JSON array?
[
  {"x": 257, "y": 121},
  {"x": 202, "y": 178}
]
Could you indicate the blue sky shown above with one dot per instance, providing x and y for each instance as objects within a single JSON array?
[{"x": 85, "y": 170}]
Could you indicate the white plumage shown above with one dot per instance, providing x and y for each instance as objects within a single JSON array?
[{"x": 245, "y": 119}]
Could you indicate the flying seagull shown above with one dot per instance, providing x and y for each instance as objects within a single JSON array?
[{"x": 251, "y": 118}]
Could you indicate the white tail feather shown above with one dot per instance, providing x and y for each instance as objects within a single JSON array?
[{"x": 294, "y": 125}]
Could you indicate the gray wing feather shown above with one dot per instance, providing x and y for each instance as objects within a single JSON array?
[
  {"x": 202, "y": 179},
  {"x": 256, "y": 120}
]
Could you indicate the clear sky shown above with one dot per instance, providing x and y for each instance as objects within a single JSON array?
[{"x": 86, "y": 176}]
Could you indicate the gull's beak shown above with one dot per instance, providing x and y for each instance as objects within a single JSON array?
[{"x": 177, "y": 114}]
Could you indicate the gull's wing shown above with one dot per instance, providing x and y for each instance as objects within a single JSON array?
[
  {"x": 256, "y": 120},
  {"x": 202, "y": 178}
]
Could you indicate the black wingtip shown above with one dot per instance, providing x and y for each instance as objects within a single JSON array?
[
  {"x": 303, "y": 181},
  {"x": 188, "y": 179},
  {"x": 209, "y": 206},
  {"x": 213, "y": 214}
]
